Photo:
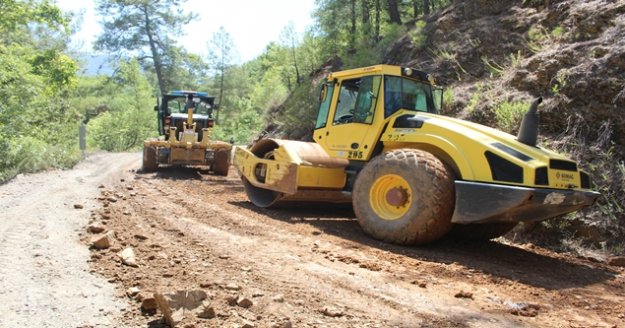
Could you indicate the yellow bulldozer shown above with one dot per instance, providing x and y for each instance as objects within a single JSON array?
[
  {"x": 184, "y": 123},
  {"x": 411, "y": 174}
]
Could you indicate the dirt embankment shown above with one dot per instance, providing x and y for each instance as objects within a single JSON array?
[{"x": 311, "y": 266}]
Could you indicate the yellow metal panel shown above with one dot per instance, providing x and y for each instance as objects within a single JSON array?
[
  {"x": 564, "y": 179},
  {"x": 279, "y": 176},
  {"x": 186, "y": 156},
  {"x": 321, "y": 177}
]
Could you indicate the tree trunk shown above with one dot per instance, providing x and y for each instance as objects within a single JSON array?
[
  {"x": 426, "y": 7},
  {"x": 377, "y": 21},
  {"x": 156, "y": 57},
  {"x": 393, "y": 12},
  {"x": 365, "y": 12},
  {"x": 366, "y": 23},
  {"x": 352, "y": 36},
  {"x": 221, "y": 93},
  {"x": 298, "y": 78},
  {"x": 415, "y": 8}
]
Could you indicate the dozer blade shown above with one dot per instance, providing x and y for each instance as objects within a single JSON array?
[{"x": 488, "y": 203}]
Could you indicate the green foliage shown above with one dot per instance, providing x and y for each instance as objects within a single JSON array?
[
  {"x": 537, "y": 38},
  {"x": 492, "y": 67},
  {"x": 37, "y": 128},
  {"x": 145, "y": 29},
  {"x": 557, "y": 32},
  {"x": 417, "y": 35},
  {"x": 374, "y": 54},
  {"x": 448, "y": 99},
  {"x": 559, "y": 81},
  {"x": 510, "y": 114},
  {"x": 516, "y": 59},
  {"x": 476, "y": 97},
  {"x": 123, "y": 111},
  {"x": 58, "y": 70},
  {"x": 17, "y": 15}
]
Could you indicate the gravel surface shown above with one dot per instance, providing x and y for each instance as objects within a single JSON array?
[
  {"x": 45, "y": 280},
  {"x": 184, "y": 236}
]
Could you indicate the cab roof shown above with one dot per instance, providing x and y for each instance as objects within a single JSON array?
[
  {"x": 178, "y": 93},
  {"x": 383, "y": 69}
]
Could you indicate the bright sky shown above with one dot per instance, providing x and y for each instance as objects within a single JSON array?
[{"x": 252, "y": 24}]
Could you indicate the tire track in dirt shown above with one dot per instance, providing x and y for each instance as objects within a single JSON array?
[
  {"x": 198, "y": 231},
  {"x": 355, "y": 286}
]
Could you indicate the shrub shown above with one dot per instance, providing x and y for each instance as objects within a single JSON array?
[{"x": 510, "y": 114}]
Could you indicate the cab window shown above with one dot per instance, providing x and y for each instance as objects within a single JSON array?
[
  {"x": 357, "y": 100},
  {"x": 402, "y": 93},
  {"x": 325, "y": 97}
]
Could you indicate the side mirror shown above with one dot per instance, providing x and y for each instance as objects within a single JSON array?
[{"x": 215, "y": 106}]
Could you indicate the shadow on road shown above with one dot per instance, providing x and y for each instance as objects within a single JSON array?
[
  {"x": 190, "y": 173},
  {"x": 489, "y": 257}
]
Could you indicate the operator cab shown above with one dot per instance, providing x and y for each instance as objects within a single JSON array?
[
  {"x": 173, "y": 112},
  {"x": 356, "y": 105}
]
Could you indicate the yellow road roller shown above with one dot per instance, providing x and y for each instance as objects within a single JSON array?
[{"x": 411, "y": 174}]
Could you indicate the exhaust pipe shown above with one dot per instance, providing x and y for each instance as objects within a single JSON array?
[{"x": 528, "y": 133}]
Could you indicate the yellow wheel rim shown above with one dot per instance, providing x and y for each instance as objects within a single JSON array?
[{"x": 390, "y": 196}]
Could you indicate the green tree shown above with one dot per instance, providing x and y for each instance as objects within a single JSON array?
[
  {"x": 145, "y": 29},
  {"x": 220, "y": 57},
  {"x": 290, "y": 41},
  {"x": 37, "y": 127},
  {"x": 122, "y": 109}
]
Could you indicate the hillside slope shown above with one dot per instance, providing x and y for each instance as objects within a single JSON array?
[{"x": 572, "y": 53}]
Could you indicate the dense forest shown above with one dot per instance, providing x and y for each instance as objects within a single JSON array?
[{"x": 493, "y": 57}]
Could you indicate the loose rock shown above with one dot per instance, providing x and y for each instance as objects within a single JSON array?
[
  {"x": 523, "y": 309},
  {"x": 332, "y": 312},
  {"x": 173, "y": 304},
  {"x": 140, "y": 237},
  {"x": 133, "y": 291},
  {"x": 617, "y": 261},
  {"x": 95, "y": 228},
  {"x": 103, "y": 241},
  {"x": 232, "y": 300},
  {"x": 244, "y": 302},
  {"x": 149, "y": 305},
  {"x": 208, "y": 312},
  {"x": 128, "y": 257},
  {"x": 78, "y": 206},
  {"x": 463, "y": 294}
]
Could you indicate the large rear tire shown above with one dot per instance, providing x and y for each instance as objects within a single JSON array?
[
  {"x": 484, "y": 231},
  {"x": 150, "y": 163},
  {"x": 222, "y": 162},
  {"x": 405, "y": 196}
]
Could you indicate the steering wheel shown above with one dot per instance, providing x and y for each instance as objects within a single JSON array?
[{"x": 345, "y": 118}]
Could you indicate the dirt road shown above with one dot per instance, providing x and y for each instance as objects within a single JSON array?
[
  {"x": 304, "y": 266},
  {"x": 311, "y": 266},
  {"x": 44, "y": 274}
]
